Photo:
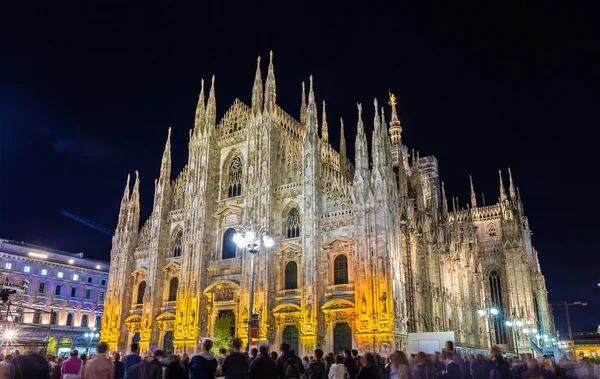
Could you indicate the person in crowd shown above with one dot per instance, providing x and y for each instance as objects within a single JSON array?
[
  {"x": 451, "y": 369},
  {"x": 498, "y": 367},
  {"x": 235, "y": 366},
  {"x": 151, "y": 367},
  {"x": 369, "y": 368},
  {"x": 83, "y": 357},
  {"x": 424, "y": 368},
  {"x": 456, "y": 356},
  {"x": 30, "y": 366},
  {"x": 479, "y": 368},
  {"x": 72, "y": 367},
  {"x": 101, "y": 366},
  {"x": 328, "y": 363},
  {"x": 263, "y": 367},
  {"x": 7, "y": 368},
  {"x": 274, "y": 356},
  {"x": 131, "y": 359},
  {"x": 185, "y": 361},
  {"x": 316, "y": 368},
  {"x": 55, "y": 373},
  {"x": 465, "y": 369},
  {"x": 357, "y": 362},
  {"x": 253, "y": 354},
  {"x": 399, "y": 366},
  {"x": 349, "y": 362},
  {"x": 119, "y": 367},
  {"x": 51, "y": 362},
  {"x": 174, "y": 369},
  {"x": 338, "y": 370},
  {"x": 220, "y": 359},
  {"x": 203, "y": 365},
  {"x": 305, "y": 362},
  {"x": 288, "y": 364}
]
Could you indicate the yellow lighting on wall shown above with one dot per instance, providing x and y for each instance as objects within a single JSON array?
[
  {"x": 71, "y": 261},
  {"x": 38, "y": 255}
]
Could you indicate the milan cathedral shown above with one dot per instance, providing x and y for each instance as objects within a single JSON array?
[{"x": 364, "y": 253}]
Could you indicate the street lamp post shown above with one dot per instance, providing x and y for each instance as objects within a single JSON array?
[
  {"x": 513, "y": 323},
  {"x": 247, "y": 238},
  {"x": 567, "y": 305},
  {"x": 90, "y": 336},
  {"x": 488, "y": 312}
]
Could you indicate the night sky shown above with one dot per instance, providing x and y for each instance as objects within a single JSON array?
[{"x": 87, "y": 93}]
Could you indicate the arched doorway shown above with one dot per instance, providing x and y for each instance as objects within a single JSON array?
[
  {"x": 168, "y": 345},
  {"x": 342, "y": 338},
  {"x": 229, "y": 313},
  {"x": 290, "y": 336},
  {"x": 65, "y": 345}
]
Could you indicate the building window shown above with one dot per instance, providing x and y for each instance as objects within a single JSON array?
[
  {"x": 57, "y": 289},
  {"x": 60, "y": 274},
  {"x": 53, "y": 318},
  {"x": 492, "y": 231},
  {"x": 292, "y": 224},
  {"x": 173, "y": 289},
  {"x": 229, "y": 247},
  {"x": 36, "y": 316},
  {"x": 44, "y": 271},
  {"x": 42, "y": 288},
  {"x": 101, "y": 296},
  {"x": 26, "y": 269},
  {"x": 75, "y": 277},
  {"x": 103, "y": 282},
  {"x": 84, "y": 321},
  {"x": 70, "y": 319},
  {"x": 496, "y": 298},
  {"x": 89, "y": 280},
  {"x": 235, "y": 177},
  {"x": 74, "y": 292},
  {"x": 140, "y": 294},
  {"x": 88, "y": 294},
  {"x": 8, "y": 266},
  {"x": 98, "y": 323},
  {"x": 177, "y": 244},
  {"x": 291, "y": 276},
  {"x": 340, "y": 270}
]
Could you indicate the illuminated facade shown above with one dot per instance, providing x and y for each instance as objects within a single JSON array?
[
  {"x": 365, "y": 253},
  {"x": 64, "y": 298}
]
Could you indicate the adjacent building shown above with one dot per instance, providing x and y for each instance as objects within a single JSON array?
[
  {"x": 59, "y": 295},
  {"x": 585, "y": 343},
  {"x": 365, "y": 252}
]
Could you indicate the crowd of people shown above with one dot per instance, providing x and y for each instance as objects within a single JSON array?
[{"x": 263, "y": 364}]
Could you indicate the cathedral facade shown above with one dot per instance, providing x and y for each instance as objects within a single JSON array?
[{"x": 364, "y": 253}]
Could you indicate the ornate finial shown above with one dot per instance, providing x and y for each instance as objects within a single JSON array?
[
  {"x": 271, "y": 55},
  {"x": 392, "y": 99},
  {"x": 376, "y": 105},
  {"x": 202, "y": 85},
  {"x": 258, "y": 60},
  {"x": 213, "y": 79},
  {"x": 303, "y": 90},
  {"x": 359, "y": 109},
  {"x": 137, "y": 175}
]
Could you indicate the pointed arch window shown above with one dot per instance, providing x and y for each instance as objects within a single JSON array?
[
  {"x": 140, "y": 293},
  {"x": 229, "y": 247},
  {"x": 292, "y": 223},
  {"x": 291, "y": 276},
  {"x": 492, "y": 230},
  {"x": 235, "y": 177},
  {"x": 496, "y": 297},
  {"x": 178, "y": 244},
  {"x": 84, "y": 321},
  {"x": 173, "y": 284},
  {"x": 340, "y": 270}
]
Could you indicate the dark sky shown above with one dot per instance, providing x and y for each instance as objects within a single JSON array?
[{"x": 88, "y": 90}]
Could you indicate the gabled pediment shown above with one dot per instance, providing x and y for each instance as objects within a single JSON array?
[
  {"x": 165, "y": 316},
  {"x": 338, "y": 241},
  {"x": 229, "y": 209},
  {"x": 39, "y": 304},
  {"x": 56, "y": 306},
  {"x": 289, "y": 248},
  {"x": 286, "y": 308},
  {"x": 172, "y": 266},
  {"x": 87, "y": 310},
  {"x": 337, "y": 304},
  {"x": 72, "y": 308}
]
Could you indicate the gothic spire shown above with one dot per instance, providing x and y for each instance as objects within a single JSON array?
[
  {"x": 311, "y": 114},
  {"x": 473, "y": 196},
  {"x": 502, "y": 191},
  {"x": 200, "y": 110},
  {"x": 257, "y": 90},
  {"x": 124, "y": 204},
  {"x": 362, "y": 153},
  {"x": 511, "y": 187},
  {"x": 343, "y": 157},
  {"x": 376, "y": 138},
  {"x": 324, "y": 127},
  {"x": 303, "y": 107},
  {"x": 133, "y": 215},
  {"x": 483, "y": 198},
  {"x": 444, "y": 202},
  {"x": 270, "y": 92},
  {"x": 395, "y": 127},
  {"x": 165, "y": 165},
  {"x": 211, "y": 107}
]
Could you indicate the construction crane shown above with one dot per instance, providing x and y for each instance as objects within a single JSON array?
[{"x": 85, "y": 221}]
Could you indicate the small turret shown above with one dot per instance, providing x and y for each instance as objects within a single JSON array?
[
  {"x": 502, "y": 191},
  {"x": 361, "y": 172},
  {"x": 311, "y": 114},
  {"x": 303, "y": 107},
  {"x": 511, "y": 187},
  {"x": 343, "y": 157},
  {"x": 270, "y": 90},
  {"x": 133, "y": 213},
  {"x": 200, "y": 110},
  {"x": 211, "y": 108},
  {"x": 257, "y": 91},
  {"x": 395, "y": 127}
]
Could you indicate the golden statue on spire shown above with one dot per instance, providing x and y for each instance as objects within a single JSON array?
[{"x": 392, "y": 99}]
